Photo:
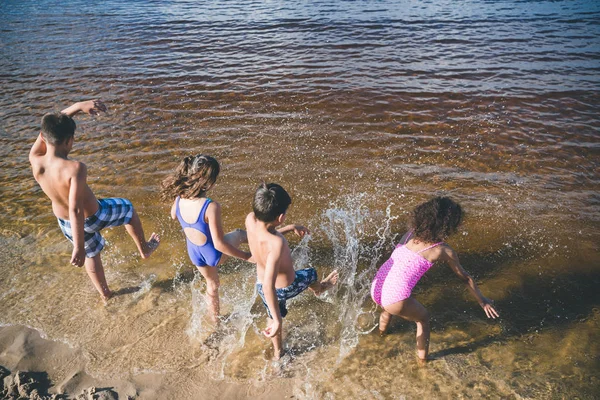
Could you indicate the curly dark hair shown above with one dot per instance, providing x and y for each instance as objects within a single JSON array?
[
  {"x": 192, "y": 178},
  {"x": 436, "y": 219}
]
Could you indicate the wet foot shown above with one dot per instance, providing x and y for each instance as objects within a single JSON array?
[
  {"x": 151, "y": 245},
  {"x": 328, "y": 282},
  {"x": 106, "y": 296}
]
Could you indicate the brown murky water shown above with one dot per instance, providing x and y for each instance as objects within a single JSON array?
[{"x": 362, "y": 111}]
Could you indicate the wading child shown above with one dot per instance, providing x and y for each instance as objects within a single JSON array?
[
  {"x": 431, "y": 223},
  {"x": 80, "y": 215},
  {"x": 276, "y": 279},
  {"x": 200, "y": 218}
]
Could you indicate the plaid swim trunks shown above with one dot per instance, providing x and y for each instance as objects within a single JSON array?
[
  {"x": 111, "y": 212},
  {"x": 304, "y": 278}
]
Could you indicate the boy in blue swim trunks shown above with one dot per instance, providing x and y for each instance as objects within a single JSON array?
[
  {"x": 277, "y": 280},
  {"x": 80, "y": 215}
]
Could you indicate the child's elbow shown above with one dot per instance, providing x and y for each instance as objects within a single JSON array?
[
  {"x": 219, "y": 245},
  {"x": 75, "y": 210}
]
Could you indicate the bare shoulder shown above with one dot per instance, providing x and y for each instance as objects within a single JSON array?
[
  {"x": 76, "y": 168},
  {"x": 213, "y": 208},
  {"x": 446, "y": 252},
  {"x": 250, "y": 220},
  {"x": 277, "y": 242}
]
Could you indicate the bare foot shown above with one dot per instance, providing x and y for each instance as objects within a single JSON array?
[
  {"x": 151, "y": 245},
  {"x": 107, "y": 296},
  {"x": 421, "y": 362},
  {"x": 327, "y": 283},
  {"x": 381, "y": 333}
]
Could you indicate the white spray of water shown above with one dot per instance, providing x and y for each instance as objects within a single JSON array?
[
  {"x": 356, "y": 259},
  {"x": 357, "y": 253}
]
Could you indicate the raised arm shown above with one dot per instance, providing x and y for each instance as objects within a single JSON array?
[
  {"x": 297, "y": 229},
  {"x": 76, "y": 213},
  {"x": 215, "y": 225},
  {"x": 39, "y": 148},
  {"x": 451, "y": 257},
  {"x": 269, "y": 278},
  {"x": 91, "y": 107}
]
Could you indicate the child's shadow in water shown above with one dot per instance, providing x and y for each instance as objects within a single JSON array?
[
  {"x": 168, "y": 285},
  {"x": 126, "y": 290},
  {"x": 541, "y": 303}
]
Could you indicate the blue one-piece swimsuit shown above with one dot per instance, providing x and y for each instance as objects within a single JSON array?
[{"x": 204, "y": 255}]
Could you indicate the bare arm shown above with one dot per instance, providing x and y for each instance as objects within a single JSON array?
[
  {"x": 76, "y": 214},
  {"x": 91, "y": 107},
  {"x": 174, "y": 210},
  {"x": 216, "y": 231},
  {"x": 269, "y": 278},
  {"x": 451, "y": 257},
  {"x": 297, "y": 229},
  {"x": 39, "y": 148}
]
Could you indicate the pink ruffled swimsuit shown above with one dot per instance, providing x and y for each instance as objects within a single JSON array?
[{"x": 398, "y": 276}]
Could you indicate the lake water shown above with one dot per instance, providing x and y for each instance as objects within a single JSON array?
[{"x": 361, "y": 110}]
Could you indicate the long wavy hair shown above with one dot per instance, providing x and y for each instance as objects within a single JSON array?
[
  {"x": 192, "y": 178},
  {"x": 436, "y": 219}
]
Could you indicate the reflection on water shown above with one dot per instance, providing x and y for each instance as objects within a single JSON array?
[{"x": 362, "y": 111}]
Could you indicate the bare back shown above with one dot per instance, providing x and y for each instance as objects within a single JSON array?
[
  {"x": 263, "y": 243},
  {"x": 54, "y": 175}
]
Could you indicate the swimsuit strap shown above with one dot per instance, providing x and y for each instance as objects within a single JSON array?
[
  {"x": 203, "y": 211},
  {"x": 200, "y": 218},
  {"x": 178, "y": 212},
  {"x": 427, "y": 248},
  {"x": 408, "y": 237}
]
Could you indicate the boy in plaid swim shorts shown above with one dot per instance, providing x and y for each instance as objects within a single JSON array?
[
  {"x": 277, "y": 280},
  {"x": 80, "y": 215}
]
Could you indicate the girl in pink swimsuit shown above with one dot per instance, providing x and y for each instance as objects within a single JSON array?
[{"x": 419, "y": 249}]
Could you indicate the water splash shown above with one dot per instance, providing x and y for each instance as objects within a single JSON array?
[{"x": 356, "y": 257}]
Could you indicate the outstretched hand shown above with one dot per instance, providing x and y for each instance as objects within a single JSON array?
[
  {"x": 301, "y": 230},
  {"x": 490, "y": 311},
  {"x": 93, "y": 107}
]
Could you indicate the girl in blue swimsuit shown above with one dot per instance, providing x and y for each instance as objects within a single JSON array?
[{"x": 200, "y": 218}]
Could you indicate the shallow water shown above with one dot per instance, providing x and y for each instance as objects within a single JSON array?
[{"x": 362, "y": 111}]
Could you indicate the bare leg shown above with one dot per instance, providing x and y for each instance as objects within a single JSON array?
[
  {"x": 234, "y": 238},
  {"x": 384, "y": 320},
  {"x": 212, "y": 291},
  {"x": 135, "y": 230},
  {"x": 410, "y": 309},
  {"x": 327, "y": 283},
  {"x": 277, "y": 343},
  {"x": 94, "y": 269}
]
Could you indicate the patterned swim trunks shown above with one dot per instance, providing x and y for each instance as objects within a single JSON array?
[
  {"x": 304, "y": 278},
  {"x": 111, "y": 212}
]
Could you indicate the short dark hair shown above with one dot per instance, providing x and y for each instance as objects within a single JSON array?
[
  {"x": 436, "y": 219},
  {"x": 270, "y": 201},
  {"x": 57, "y": 128}
]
